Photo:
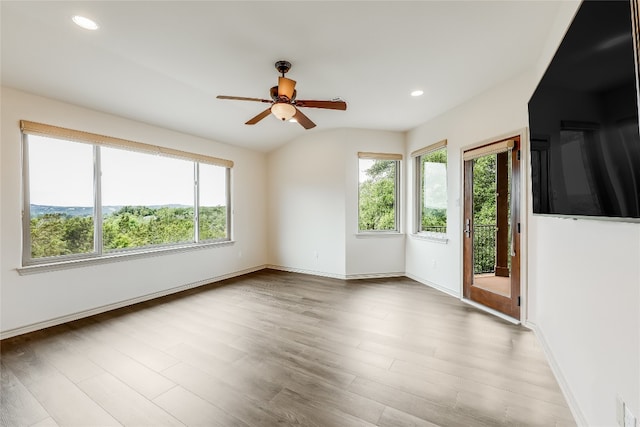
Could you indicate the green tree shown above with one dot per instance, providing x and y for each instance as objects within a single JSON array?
[
  {"x": 485, "y": 212},
  {"x": 60, "y": 234},
  {"x": 129, "y": 227},
  {"x": 377, "y": 197},
  {"x": 433, "y": 219},
  {"x": 213, "y": 222},
  {"x": 484, "y": 190}
]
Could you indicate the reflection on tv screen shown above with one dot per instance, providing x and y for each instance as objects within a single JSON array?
[{"x": 583, "y": 117}]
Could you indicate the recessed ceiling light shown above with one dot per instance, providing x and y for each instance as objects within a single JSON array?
[
  {"x": 85, "y": 23},
  {"x": 417, "y": 93}
]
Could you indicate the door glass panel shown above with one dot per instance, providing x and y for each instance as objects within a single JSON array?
[{"x": 491, "y": 219}]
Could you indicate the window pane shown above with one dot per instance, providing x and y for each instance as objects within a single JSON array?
[
  {"x": 213, "y": 202},
  {"x": 146, "y": 200},
  {"x": 433, "y": 191},
  {"x": 60, "y": 197},
  {"x": 377, "y": 195}
]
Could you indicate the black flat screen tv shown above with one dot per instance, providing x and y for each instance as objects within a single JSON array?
[{"x": 583, "y": 120}]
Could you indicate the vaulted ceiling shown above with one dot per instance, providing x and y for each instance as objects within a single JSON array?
[{"x": 163, "y": 63}]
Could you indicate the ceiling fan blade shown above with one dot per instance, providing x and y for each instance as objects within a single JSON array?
[
  {"x": 286, "y": 87},
  {"x": 259, "y": 117},
  {"x": 304, "y": 121},
  {"x": 241, "y": 98},
  {"x": 332, "y": 105}
]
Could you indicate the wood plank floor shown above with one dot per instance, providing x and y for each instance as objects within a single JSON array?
[{"x": 274, "y": 348}]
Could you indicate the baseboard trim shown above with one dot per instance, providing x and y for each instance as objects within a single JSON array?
[
  {"x": 334, "y": 275},
  {"x": 103, "y": 309},
  {"x": 433, "y": 285},
  {"x": 557, "y": 373},
  {"x": 305, "y": 271},
  {"x": 374, "y": 276}
]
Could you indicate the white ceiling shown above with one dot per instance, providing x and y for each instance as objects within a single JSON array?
[{"x": 164, "y": 62}]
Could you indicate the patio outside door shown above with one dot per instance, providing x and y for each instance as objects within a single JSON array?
[{"x": 491, "y": 248}]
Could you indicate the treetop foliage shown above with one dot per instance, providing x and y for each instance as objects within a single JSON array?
[
  {"x": 56, "y": 234},
  {"x": 377, "y": 202}
]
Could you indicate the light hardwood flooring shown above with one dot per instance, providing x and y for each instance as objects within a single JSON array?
[{"x": 274, "y": 348}]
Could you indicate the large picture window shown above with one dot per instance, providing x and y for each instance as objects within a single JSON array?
[
  {"x": 89, "y": 196},
  {"x": 431, "y": 188},
  {"x": 378, "y": 192}
]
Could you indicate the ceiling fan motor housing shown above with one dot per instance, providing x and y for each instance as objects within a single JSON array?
[{"x": 283, "y": 67}]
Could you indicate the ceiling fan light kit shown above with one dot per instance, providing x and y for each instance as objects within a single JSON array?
[
  {"x": 284, "y": 105},
  {"x": 283, "y": 111}
]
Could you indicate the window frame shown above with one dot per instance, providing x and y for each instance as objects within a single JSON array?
[
  {"x": 397, "y": 158},
  {"x": 417, "y": 194},
  {"x": 99, "y": 254}
]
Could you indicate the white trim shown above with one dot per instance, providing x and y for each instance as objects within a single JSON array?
[
  {"x": 304, "y": 271},
  {"x": 557, "y": 373},
  {"x": 336, "y": 276},
  {"x": 102, "y": 309},
  {"x": 418, "y": 179},
  {"x": 490, "y": 311},
  {"x": 435, "y": 286},
  {"x": 117, "y": 257},
  {"x": 431, "y": 237},
  {"x": 590, "y": 218},
  {"x": 374, "y": 275},
  {"x": 525, "y": 197},
  {"x": 398, "y": 200},
  {"x": 377, "y": 234}
]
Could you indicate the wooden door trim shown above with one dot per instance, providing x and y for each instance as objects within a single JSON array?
[
  {"x": 516, "y": 226},
  {"x": 467, "y": 241},
  {"x": 513, "y": 307}
]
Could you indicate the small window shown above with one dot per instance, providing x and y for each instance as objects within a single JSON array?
[
  {"x": 213, "y": 203},
  {"x": 378, "y": 192},
  {"x": 88, "y": 196},
  {"x": 431, "y": 188}
]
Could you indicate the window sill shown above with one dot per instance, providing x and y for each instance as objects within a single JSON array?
[
  {"x": 431, "y": 237},
  {"x": 116, "y": 257},
  {"x": 378, "y": 234}
]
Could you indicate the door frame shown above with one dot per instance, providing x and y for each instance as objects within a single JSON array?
[{"x": 524, "y": 199}]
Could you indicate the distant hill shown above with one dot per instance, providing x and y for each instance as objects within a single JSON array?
[{"x": 39, "y": 210}]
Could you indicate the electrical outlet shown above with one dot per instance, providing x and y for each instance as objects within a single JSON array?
[{"x": 629, "y": 419}]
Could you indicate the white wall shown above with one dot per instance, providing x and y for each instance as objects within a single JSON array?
[
  {"x": 583, "y": 276},
  {"x": 499, "y": 112},
  {"x": 380, "y": 254},
  {"x": 44, "y": 297},
  {"x": 306, "y": 205},
  {"x": 313, "y": 196},
  {"x": 587, "y": 276}
]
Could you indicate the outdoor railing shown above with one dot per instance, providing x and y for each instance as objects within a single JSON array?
[
  {"x": 484, "y": 248},
  {"x": 435, "y": 229}
]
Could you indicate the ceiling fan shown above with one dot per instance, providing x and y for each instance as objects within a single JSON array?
[{"x": 284, "y": 104}]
